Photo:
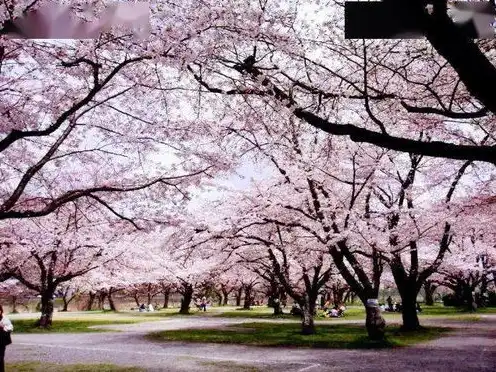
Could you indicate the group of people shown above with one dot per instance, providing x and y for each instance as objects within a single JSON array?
[
  {"x": 335, "y": 311},
  {"x": 202, "y": 304},
  {"x": 391, "y": 306},
  {"x": 144, "y": 308}
]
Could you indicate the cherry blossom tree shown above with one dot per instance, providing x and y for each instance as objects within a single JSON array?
[{"x": 45, "y": 253}]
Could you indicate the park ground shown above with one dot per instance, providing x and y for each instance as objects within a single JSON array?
[{"x": 130, "y": 341}]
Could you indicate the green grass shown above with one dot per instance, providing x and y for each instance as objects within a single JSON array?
[
  {"x": 336, "y": 336},
  {"x": 52, "y": 367},
  {"x": 64, "y": 326}
]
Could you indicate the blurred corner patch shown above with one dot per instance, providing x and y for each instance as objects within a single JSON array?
[
  {"x": 56, "y": 21},
  {"x": 390, "y": 19}
]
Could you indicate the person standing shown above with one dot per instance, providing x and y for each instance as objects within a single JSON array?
[{"x": 5, "y": 329}]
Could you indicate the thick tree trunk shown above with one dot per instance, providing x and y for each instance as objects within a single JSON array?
[
  {"x": 247, "y": 301},
  {"x": 225, "y": 302},
  {"x": 429, "y": 289},
  {"x": 14, "y": 305},
  {"x": 307, "y": 322},
  {"x": 111, "y": 299},
  {"x": 166, "y": 299},
  {"x": 277, "y": 307},
  {"x": 374, "y": 321},
  {"x": 91, "y": 300},
  {"x": 45, "y": 320},
  {"x": 101, "y": 299},
  {"x": 238, "y": 295},
  {"x": 186, "y": 300},
  {"x": 469, "y": 299},
  {"x": 409, "y": 313}
]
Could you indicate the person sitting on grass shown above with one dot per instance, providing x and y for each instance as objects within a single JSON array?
[
  {"x": 334, "y": 312},
  {"x": 142, "y": 308}
]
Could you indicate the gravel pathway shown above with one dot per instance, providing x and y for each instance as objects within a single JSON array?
[{"x": 472, "y": 347}]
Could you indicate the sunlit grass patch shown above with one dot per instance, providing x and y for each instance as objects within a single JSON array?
[{"x": 65, "y": 325}]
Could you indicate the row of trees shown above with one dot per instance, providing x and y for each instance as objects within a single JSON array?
[{"x": 377, "y": 156}]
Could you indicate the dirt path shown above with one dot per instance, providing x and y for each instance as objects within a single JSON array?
[{"x": 472, "y": 347}]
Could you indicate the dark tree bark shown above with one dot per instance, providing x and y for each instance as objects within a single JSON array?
[
  {"x": 46, "y": 317},
  {"x": 429, "y": 288},
  {"x": 91, "y": 300},
  {"x": 14, "y": 304},
  {"x": 238, "y": 295},
  {"x": 102, "y": 295},
  {"x": 248, "y": 297},
  {"x": 166, "y": 294},
  {"x": 187, "y": 292},
  {"x": 307, "y": 318},
  {"x": 110, "y": 297}
]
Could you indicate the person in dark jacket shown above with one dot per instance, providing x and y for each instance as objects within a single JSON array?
[{"x": 5, "y": 329}]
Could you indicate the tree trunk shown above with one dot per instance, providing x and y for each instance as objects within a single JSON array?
[
  {"x": 166, "y": 299},
  {"x": 111, "y": 299},
  {"x": 469, "y": 299},
  {"x": 186, "y": 300},
  {"x": 225, "y": 302},
  {"x": 91, "y": 300},
  {"x": 136, "y": 299},
  {"x": 66, "y": 304},
  {"x": 374, "y": 321},
  {"x": 14, "y": 305},
  {"x": 307, "y": 322},
  {"x": 278, "y": 308},
  {"x": 238, "y": 295},
  {"x": 45, "y": 320},
  {"x": 429, "y": 289},
  {"x": 101, "y": 299},
  {"x": 247, "y": 301},
  {"x": 409, "y": 312}
]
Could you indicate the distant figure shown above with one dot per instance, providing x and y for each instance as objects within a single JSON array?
[
  {"x": 5, "y": 330},
  {"x": 327, "y": 305},
  {"x": 296, "y": 310},
  {"x": 418, "y": 308},
  {"x": 389, "y": 304},
  {"x": 142, "y": 308},
  {"x": 150, "y": 307},
  {"x": 203, "y": 304}
]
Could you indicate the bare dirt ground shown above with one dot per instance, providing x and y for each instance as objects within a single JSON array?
[{"x": 471, "y": 347}]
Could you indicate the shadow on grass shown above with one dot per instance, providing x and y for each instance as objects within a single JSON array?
[{"x": 334, "y": 336}]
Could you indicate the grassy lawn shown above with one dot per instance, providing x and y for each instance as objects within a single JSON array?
[
  {"x": 352, "y": 313},
  {"x": 65, "y": 325},
  {"x": 64, "y": 322},
  {"x": 52, "y": 367},
  {"x": 336, "y": 336}
]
